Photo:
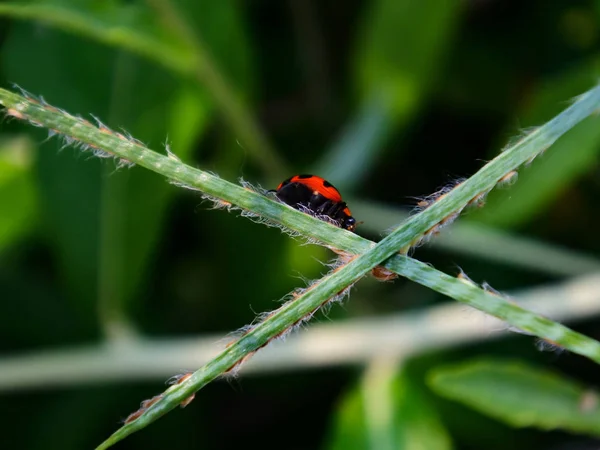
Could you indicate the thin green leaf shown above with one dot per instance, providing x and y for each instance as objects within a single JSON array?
[
  {"x": 110, "y": 23},
  {"x": 400, "y": 47},
  {"x": 386, "y": 411},
  {"x": 211, "y": 18},
  {"x": 520, "y": 395},
  {"x": 135, "y": 29},
  {"x": 358, "y": 147},
  {"x": 18, "y": 195},
  {"x": 398, "y": 56},
  {"x": 104, "y": 231}
]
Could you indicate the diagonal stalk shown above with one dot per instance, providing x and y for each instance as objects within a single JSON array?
[
  {"x": 81, "y": 131},
  {"x": 85, "y": 134}
]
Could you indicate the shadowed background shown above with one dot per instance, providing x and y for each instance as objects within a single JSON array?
[{"x": 113, "y": 280}]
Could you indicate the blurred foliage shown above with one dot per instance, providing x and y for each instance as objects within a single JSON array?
[
  {"x": 570, "y": 157},
  {"x": 387, "y": 411},
  {"x": 520, "y": 395},
  {"x": 387, "y": 99},
  {"x": 392, "y": 76},
  {"x": 18, "y": 195}
]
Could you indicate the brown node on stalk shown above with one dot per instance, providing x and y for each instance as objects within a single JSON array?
[
  {"x": 344, "y": 256},
  {"x": 450, "y": 218},
  {"x": 509, "y": 179},
  {"x": 15, "y": 113},
  {"x": 441, "y": 196},
  {"x": 179, "y": 379},
  {"x": 380, "y": 273},
  {"x": 222, "y": 204},
  {"x": 148, "y": 403},
  {"x": 465, "y": 279},
  {"x": 490, "y": 290},
  {"x": 143, "y": 408},
  {"x": 235, "y": 366},
  {"x": 105, "y": 130},
  {"x": 135, "y": 415},
  {"x": 434, "y": 230},
  {"x": 478, "y": 201},
  {"x": 424, "y": 204},
  {"x": 187, "y": 401}
]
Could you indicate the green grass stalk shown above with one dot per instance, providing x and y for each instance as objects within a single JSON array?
[{"x": 85, "y": 134}]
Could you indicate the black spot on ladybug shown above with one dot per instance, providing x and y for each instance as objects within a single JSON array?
[{"x": 327, "y": 183}]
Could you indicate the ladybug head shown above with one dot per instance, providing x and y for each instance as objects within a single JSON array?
[{"x": 349, "y": 223}]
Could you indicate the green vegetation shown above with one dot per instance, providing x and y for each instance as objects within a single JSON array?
[{"x": 106, "y": 268}]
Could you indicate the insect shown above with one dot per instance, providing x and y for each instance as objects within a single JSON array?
[{"x": 318, "y": 196}]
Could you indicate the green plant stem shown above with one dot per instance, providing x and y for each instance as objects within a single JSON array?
[
  {"x": 358, "y": 147},
  {"x": 264, "y": 207},
  {"x": 485, "y": 243},
  {"x": 69, "y": 20},
  {"x": 111, "y": 308},
  {"x": 208, "y": 74},
  {"x": 323, "y": 344},
  {"x": 191, "y": 60},
  {"x": 303, "y": 306},
  {"x": 370, "y": 254}
]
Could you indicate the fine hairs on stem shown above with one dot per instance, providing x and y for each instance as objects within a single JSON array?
[{"x": 359, "y": 256}]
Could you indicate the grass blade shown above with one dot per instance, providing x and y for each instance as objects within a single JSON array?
[
  {"x": 520, "y": 395},
  {"x": 486, "y": 243},
  {"x": 442, "y": 209}
]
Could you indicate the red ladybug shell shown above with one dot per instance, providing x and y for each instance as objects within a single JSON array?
[
  {"x": 317, "y": 184},
  {"x": 318, "y": 196}
]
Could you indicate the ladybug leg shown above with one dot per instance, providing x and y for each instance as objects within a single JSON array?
[
  {"x": 335, "y": 212},
  {"x": 335, "y": 208},
  {"x": 329, "y": 209}
]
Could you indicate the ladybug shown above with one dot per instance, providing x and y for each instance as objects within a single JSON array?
[{"x": 318, "y": 196}]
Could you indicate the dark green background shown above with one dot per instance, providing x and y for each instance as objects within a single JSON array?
[{"x": 440, "y": 87}]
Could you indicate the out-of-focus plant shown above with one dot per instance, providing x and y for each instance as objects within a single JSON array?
[{"x": 410, "y": 93}]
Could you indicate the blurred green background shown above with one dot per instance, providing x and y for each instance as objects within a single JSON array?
[{"x": 113, "y": 280}]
